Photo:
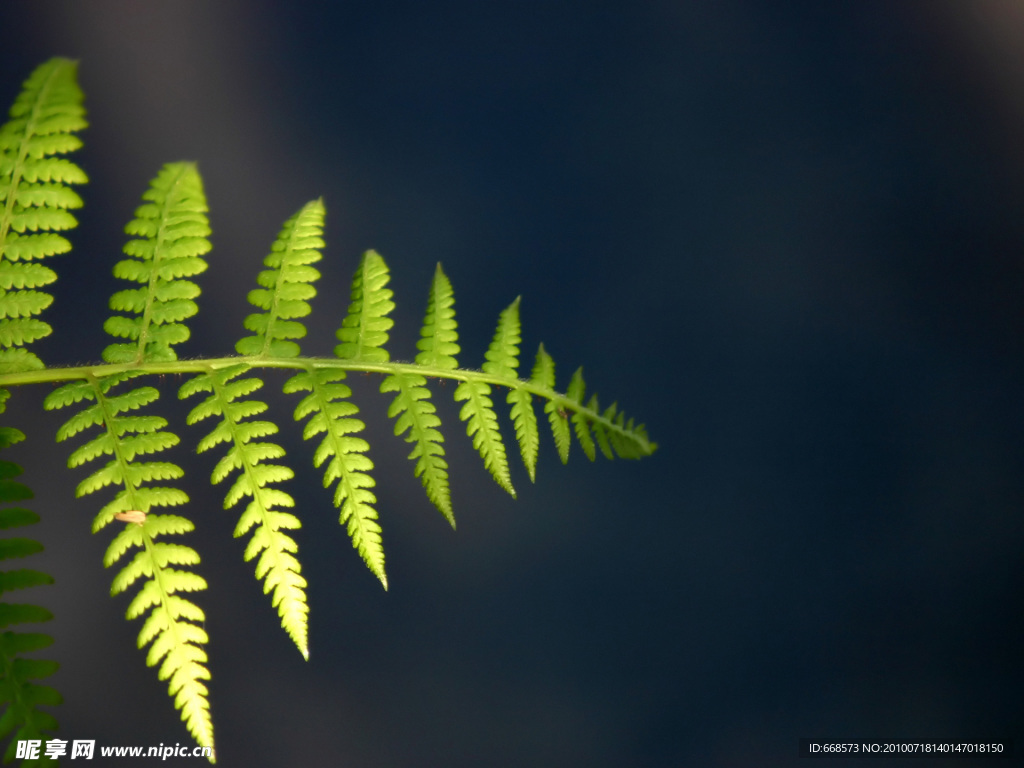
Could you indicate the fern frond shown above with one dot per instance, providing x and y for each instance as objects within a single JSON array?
[
  {"x": 331, "y": 413},
  {"x": 277, "y": 564},
  {"x": 364, "y": 331},
  {"x": 286, "y": 286},
  {"x": 21, "y": 697},
  {"x": 169, "y": 236},
  {"x": 173, "y": 231},
  {"x": 173, "y": 625},
  {"x": 35, "y": 194}
]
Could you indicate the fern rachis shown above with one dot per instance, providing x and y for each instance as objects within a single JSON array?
[{"x": 169, "y": 240}]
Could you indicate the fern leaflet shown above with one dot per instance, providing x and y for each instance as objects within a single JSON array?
[
  {"x": 173, "y": 626},
  {"x": 331, "y": 413},
  {"x": 478, "y": 412},
  {"x": 35, "y": 195},
  {"x": 579, "y": 420},
  {"x": 438, "y": 342},
  {"x": 503, "y": 360},
  {"x": 543, "y": 375},
  {"x": 277, "y": 563},
  {"x": 412, "y": 408},
  {"x": 22, "y": 718},
  {"x": 364, "y": 331},
  {"x": 286, "y": 286},
  {"x": 172, "y": 230}
]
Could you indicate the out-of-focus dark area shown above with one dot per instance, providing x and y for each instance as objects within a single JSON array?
[{"x": 787, "y": 236}]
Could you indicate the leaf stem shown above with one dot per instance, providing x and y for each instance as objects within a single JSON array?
[{"x": 71, "y": 373}]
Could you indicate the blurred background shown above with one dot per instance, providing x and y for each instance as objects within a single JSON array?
[{"x": 787, "y": 236}]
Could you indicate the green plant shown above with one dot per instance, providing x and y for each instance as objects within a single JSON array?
[{"x": 169, "y": 238}]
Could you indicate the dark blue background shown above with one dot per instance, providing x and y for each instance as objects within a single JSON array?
[{"x": 787, "y": 236}]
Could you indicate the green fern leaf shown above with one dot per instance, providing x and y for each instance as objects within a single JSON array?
[
  {"x": 438, "y": 337},
  {"x": 482, "y": 426},
  {"x": 173, "y": 231},
  {"x": 124, "y": 440},
  {"x": 579, "y": 421},
  {"x": 286, "y": 286},
  {"x": 502, "y": 359},
  {"x": 502, "y": 356},
  {"x": 8, "y": 435},
  {"x": 524, "y": 418},
  {"x": 627, "y": 440},
  {"x": 22, "y": 331},
  {"x": 478, "y": 412},
  {"x": 34, "y": 198},
  {"x": 331, "y": 414},
  {"x": 56, "y": 169},
  {"x": 364, "y": 331},
  {"x": 18, "y": 276},
  {"x": 172, "y": 626},
  {"x": 613, "y": 434},
  {"x": 22, "y": 719},
  {"x": 544, "y": 375},
  {"x": 277, "y": 564},
  {"x": 412, "y": 408},
  {"x": 24, "y": 303},
  {"x": 600, "y": 432},
  {"x": 416, "y": 415}
]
